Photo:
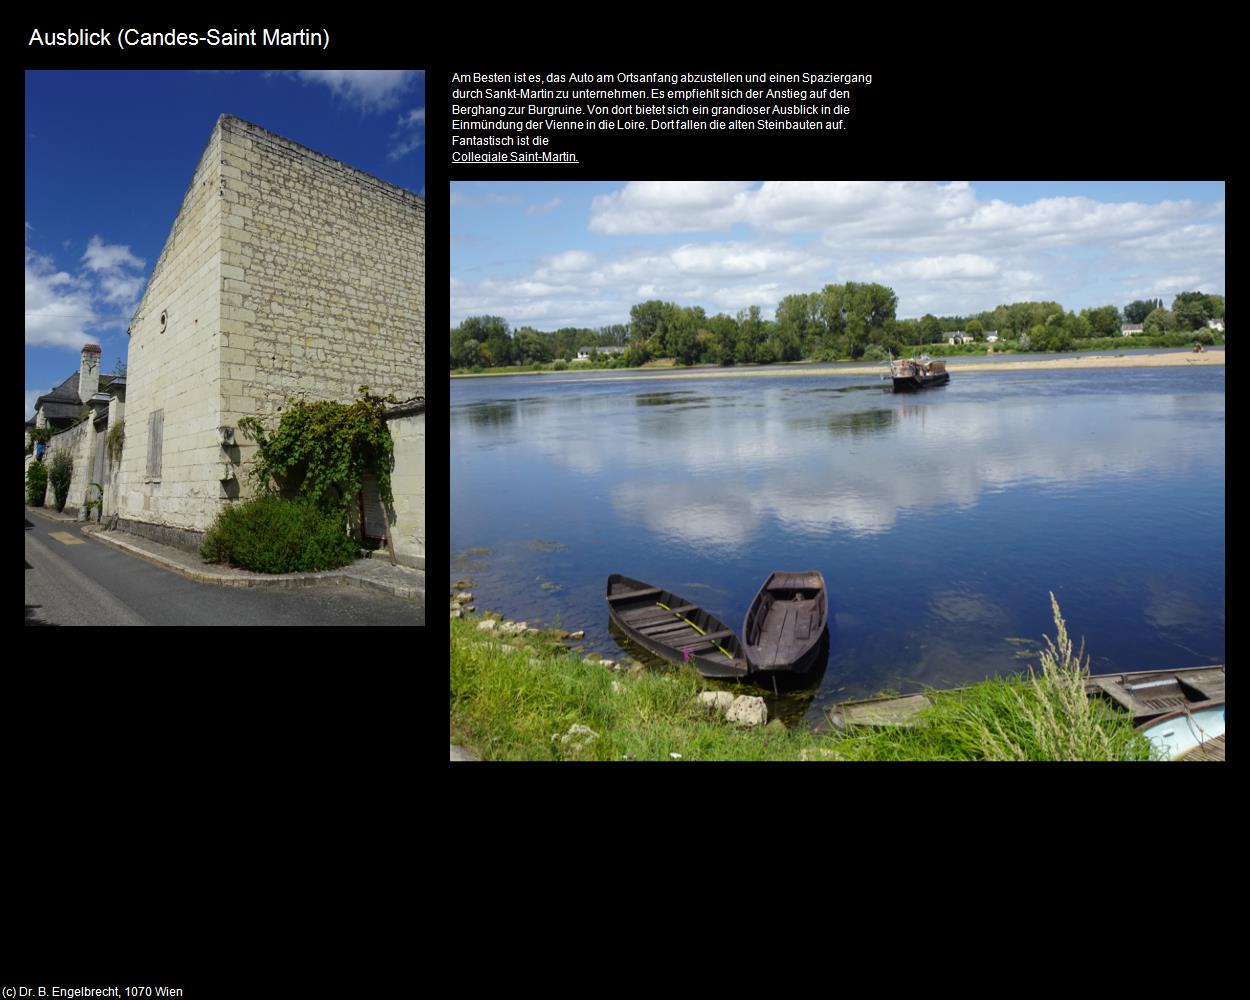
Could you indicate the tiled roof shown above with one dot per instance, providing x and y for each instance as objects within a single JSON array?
[
  {"x": 66, "y": 390},
  {"x": 63, "y": 402}
]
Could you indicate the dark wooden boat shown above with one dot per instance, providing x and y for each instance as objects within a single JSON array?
[
  {"x": 674, "y": 628},
  {"x": 1148, "y": 694},
  {"x": 785, "y": 622},
  {"x": 918, "y": 373}
]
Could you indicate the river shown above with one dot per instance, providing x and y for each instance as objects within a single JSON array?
[{"x": 940, "y": 520}]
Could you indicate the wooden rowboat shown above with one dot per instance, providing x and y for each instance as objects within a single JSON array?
[
  {"x": 785, "y": 622},
  {"x": 674, "y": 628}
]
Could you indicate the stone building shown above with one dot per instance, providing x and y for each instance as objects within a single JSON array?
[
  {"x": 80, "y": 411},
  {"x": 286, "y": 275}
]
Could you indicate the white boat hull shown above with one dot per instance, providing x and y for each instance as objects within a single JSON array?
[{"x": 1180, "y": 732}]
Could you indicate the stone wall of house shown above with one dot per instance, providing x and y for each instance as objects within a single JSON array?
[
  {"x": 323, "y": 280},
  {"x": 174, "y": 365},
  {"x": 408, "y": 488},
  {"x": 287, "y": 275}
]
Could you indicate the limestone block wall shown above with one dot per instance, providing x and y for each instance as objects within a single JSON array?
[
  {"x": 174, "y": 365},
  {"x": 408, "y": 487},
  {"x": 323, "y": 280},
  {"x": 79, "y": 441}
]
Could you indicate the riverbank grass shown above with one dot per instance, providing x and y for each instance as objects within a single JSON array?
[
  {"x": 522, "y": 698},
  {"x": 516, "y": 698}
]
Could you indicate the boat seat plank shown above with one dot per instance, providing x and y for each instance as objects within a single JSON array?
[
  {"x": 650, "y": 615},
  {"x": 632, "y": 594},
  {"x": 667, "y": 627},
  {"x": 714, "y": 637}
]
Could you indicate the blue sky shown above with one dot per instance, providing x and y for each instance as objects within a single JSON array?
[
  {"x": 582, "y": 253},
  {"x": 108, "y": 159}
]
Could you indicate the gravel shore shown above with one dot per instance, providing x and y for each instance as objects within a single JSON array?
[{"x": 1173, "y": 360}]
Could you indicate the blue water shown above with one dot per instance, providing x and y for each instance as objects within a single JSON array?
[{"x": 941, "y": 520}]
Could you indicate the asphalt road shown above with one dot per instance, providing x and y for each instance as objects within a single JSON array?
[{"x": 72, "y": 579}]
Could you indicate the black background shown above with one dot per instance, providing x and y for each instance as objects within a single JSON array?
[{"x": 266, "y": 787}]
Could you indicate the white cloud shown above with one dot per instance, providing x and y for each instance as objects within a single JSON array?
[
  {"x": 103, "y": 257},
  {"x": 942, "y": 247},
  {"x": 669, "y": 207},
  {"x": 371, "y": 90},
  {"x": 569, "y": 262},
  {"x": 544, "y": 208},
  {"x": 60, "y": 307},
  {"x": 409, "y": 136},
  {"x": 964, "y": 265},
  {"x": 111, "y": 264}
]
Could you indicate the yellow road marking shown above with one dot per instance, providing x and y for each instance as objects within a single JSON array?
[{"x": 65, "y": 538}]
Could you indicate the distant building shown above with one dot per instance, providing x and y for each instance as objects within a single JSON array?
[
  {"x": 583, "y": 353},
  {"x": 959, "y": 337},
  {"x": 81, "y": 410},
  {"x": 992, "y": 337},
  {"x": 1216, "y": 324},
  {"x": 1128, "y": 329}
]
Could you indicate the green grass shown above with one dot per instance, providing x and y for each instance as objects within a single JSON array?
[{"x": 508, "y": 703}]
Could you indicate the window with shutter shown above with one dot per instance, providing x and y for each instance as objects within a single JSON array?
[{"x": 156, "y": 435}]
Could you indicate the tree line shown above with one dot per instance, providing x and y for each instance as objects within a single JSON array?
[{"x": 840, "y": 322}]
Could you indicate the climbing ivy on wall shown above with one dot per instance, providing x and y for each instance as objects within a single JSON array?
[
  {"x": 116, "y": 437},
  {"x": 321, "y": 451}
]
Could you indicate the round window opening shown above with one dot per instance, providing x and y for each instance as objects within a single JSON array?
[{"x": 164, "y": 319}]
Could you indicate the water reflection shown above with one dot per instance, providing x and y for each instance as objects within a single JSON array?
[
  {"x": 669, "y": 398},
  {"x": 865, "y": 422},
  {"x": 497, "y": 413},
  {"x": 920, "y": 457},
  {"x": 940, "y": 520}
]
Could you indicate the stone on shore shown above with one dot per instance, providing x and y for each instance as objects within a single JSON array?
[
  {"x": 577, "y": 739},
  {"x": 487, "y": 625},
  {"x": 748, "y": 711},
  {"x": 715, "y": 701}
]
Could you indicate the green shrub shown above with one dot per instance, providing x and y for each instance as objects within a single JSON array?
[
  {"x": 559, "y": 365},
  {"x": 59, "y": 475},
  {"x": 272, "y": 535},
  {"x": 36, "y": 484}
]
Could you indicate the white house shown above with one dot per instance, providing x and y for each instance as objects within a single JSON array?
[
  {"x": 992, "y": 337},
  {"x": 1215, "y": 324},
  {"x": 1128, "y": 329},
  {"x": 959, "y": 337}
]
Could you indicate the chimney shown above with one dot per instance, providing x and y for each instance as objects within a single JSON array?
[{"x": 89, "y": 372}]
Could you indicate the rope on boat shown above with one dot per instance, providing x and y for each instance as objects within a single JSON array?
[{"x": 693, "y": 626}]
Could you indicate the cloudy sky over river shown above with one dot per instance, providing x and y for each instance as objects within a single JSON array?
[{"x": 550, "y": 255}]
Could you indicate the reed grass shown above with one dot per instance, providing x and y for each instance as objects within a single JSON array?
[{"x": 1043, "y": 716}]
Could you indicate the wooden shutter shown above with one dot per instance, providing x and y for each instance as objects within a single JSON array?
[{"x": 156, "y": 435}]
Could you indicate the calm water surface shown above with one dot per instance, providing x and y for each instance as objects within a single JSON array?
[{"x": 940, "y": 520}]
